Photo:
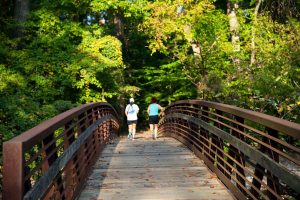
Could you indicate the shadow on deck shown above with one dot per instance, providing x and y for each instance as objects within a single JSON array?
[{"x": 147, "y": 169}]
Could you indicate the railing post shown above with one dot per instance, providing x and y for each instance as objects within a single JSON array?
[
  {"x": 101, "y": 136},
  {"x": 96, "y": 133},
  {"x": 259, "y": 174},
  {"x": 205, "y": 133},
  {"x": 90, "y": 118},
  {"x": 13, "y": 171},
  {"x": 219, "y": 143},
  {"x": 272, "y": 181},
  {"x": 79, "y": 158},
  {"x": 110, "y": 129},
  {"x": 193, "y": 127},
  {"x": 197, "y": 115},
  {"x": 239, "y": 155},
  {"x": 68, "y": 140},
  {"x": 104, "y": 132},
  {"x": 172, "y": 124},
  {"x": 45, "y": 153},
  {"x": 99, "y": 128}
]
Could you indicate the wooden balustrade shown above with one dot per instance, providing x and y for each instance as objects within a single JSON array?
[
  {"x": 255, "y": 155},
  {"x": 250, "y": 152},
  {"x": 52, "y": 160}
]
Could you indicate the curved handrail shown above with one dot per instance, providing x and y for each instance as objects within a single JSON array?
[
  {"x": 239, "y": 145},
  {"x": 289, "y": 128},
  {"x": 53, "y": 159}
]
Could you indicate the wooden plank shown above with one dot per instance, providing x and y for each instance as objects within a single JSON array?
[{"x": 147, "y": 169}]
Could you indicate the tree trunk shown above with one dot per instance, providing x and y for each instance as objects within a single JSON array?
[
  {"x": 253, "y": 52},
  {"x": 197, "y": 50},
  {"x": 21, "y": 13},
  {"x": 5, "y": 7},
  {"x": 234, "y": 27},
  {"x": 119, "y": 29}
]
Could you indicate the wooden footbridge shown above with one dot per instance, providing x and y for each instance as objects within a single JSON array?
[
  {"x": 147, "y": 169},
  {"x": 205, "y": 150}
]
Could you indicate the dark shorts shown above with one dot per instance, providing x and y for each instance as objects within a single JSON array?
[
  {"x": 129, "y": 122},
  {"x": 153, "y": 119}
]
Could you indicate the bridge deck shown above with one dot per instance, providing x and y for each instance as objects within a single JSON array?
[{"x": 147, "y": 169}]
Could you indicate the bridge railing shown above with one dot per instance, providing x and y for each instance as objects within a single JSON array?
[
  {"x": 255, "y": 155},
  {"x": 53, "y": 159}
]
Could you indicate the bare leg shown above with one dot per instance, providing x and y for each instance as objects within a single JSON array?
[
  {"x": 151, "y": 128},
  {"x": 155, "y": 130},
  {"x": 133, "y": 130},
  {"x": 129, "y": 130}
]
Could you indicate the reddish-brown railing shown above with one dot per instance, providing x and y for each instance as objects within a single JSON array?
[
  {"x": 255, "y": 155},
  {"x": 53, "y": 159}
]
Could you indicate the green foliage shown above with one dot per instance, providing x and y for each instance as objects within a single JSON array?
[
  {"x": 129, "y": 8},
  {"x": 167, "y": 29},
  {"x": 102, "y": 54},
  {"x": 276, "y": 75},
  {"x": 130, "y": 90},
  {"x": 66, "y": 57},
  {"x": 215, "y": 72},
  {"x": 56, "y": 65},
  {"x": 166, "y": 83}
]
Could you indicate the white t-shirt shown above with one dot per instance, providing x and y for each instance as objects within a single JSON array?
[{"x": 132, "y": 111}]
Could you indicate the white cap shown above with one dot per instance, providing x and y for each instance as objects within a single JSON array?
[{"x": 131, "y": 100}]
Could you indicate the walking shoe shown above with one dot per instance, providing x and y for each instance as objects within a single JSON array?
[{"x": 129, "y": 136}]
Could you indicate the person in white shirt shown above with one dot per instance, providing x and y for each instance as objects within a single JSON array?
[{"x": 131, "y": 112}]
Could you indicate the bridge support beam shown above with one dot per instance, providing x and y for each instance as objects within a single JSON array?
[{"x": 13, "y": 162}]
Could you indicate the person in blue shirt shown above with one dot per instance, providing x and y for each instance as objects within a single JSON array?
[{"x": 153, "y": 111}]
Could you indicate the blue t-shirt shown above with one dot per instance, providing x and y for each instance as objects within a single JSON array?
[{"x": 153, "y": 109}]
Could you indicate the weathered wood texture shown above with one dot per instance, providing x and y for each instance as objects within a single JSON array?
[{"x": 146, "y": 169}]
